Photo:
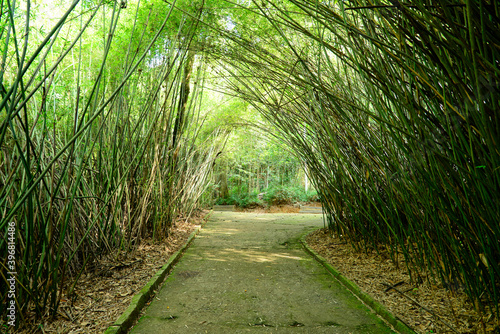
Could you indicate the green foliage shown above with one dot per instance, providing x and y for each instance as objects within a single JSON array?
[
  {"x": 281, "y": 195},
  {"x": 240, "y": 197},
  {"x": 393, "y": 108},
  {"x": 89, "y": 164},
  {"x": 276, "y": 195},
  {"x": 252, "y": 160}
]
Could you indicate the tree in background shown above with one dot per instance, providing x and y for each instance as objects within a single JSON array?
[{"x": 253, "y": 161}]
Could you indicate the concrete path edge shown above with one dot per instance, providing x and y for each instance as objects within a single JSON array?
[
  {"x": 123, "y": 323},
  {"x": 397, "y": 324}
]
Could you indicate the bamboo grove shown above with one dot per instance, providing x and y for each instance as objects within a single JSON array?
[
  {"x": 392, "y": 106},
  {"x": 394, "y": 109},
  {"x": 99, "y": 138}
]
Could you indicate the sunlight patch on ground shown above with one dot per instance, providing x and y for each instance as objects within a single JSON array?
[
  {"x": 226, "y": 231},
  {"x": 249, "y": 255}
]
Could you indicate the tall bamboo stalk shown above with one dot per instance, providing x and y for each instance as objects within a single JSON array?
[
  {"x": 87, "y": 164},
  {"x": 393, "y": 108}
]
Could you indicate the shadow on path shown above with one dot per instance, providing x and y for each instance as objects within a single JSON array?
[{"x": 247, "y": 273}]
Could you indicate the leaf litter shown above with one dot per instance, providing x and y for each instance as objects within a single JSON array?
[
  {"x": 106, "y": 288},
  {"x": 425, "y": 304},
  {"x": 104, "y": 291}
]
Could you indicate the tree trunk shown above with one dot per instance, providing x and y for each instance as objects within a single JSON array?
[
  {"x": 183, "y": 98},
  {"x": 224, "y": 191}
]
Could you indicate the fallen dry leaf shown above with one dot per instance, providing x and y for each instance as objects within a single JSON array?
[
  {"x": 99, "y": 298},
  {"x": 371, "y": 271}
]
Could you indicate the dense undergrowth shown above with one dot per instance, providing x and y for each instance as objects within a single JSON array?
[{"x": 278, "y": 195}]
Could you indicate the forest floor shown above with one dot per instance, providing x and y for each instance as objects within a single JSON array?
[
  {"x": 104, "y": 291},
  {"x": 303, "y": 207},
  {"x": 423, "y": 304}
]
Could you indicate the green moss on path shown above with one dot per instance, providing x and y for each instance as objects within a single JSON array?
[{"x": 246, "y": 272}]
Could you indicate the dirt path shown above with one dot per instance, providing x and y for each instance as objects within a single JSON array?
[{"x": 247, "y": 272}]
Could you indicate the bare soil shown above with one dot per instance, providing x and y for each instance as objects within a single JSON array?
[
  {"x": 104, "y": 292},
  {"x": 283, "y": 208},
  {"x": 426, "y": 306}
]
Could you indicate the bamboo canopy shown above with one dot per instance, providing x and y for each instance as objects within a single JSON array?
[{"x": 393, "y": 107}]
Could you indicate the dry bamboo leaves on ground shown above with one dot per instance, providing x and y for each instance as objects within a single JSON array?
[
  {"x": 103, "y": 293},
  {"x": 425, "y": 306}
]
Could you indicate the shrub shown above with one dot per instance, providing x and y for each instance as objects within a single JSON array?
[{"x": 282, "y": 195}]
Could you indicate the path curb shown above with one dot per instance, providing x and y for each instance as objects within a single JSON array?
[
  {"x": 123, "y": 323},
  {"x": 398, "y": 325}
]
